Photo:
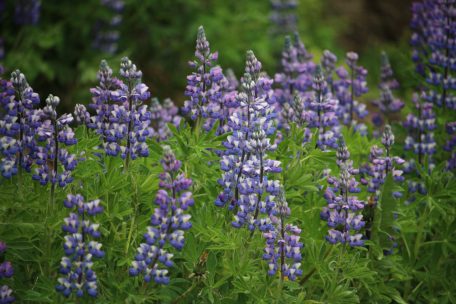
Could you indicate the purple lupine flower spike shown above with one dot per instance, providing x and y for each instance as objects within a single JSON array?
[
  {"x": 54, "y": 134},
  {"x": 245, "y": 156},
  {"x": 204, "y": 88},
  {"x": 328, "y": 64},
  {"x": 107, "y": 32},
  {"x": 80, "y": 247},
  {"x": 387, "y": 103},
  {"x": 167, "y": 224},
  {"x": 18, "y": 125},
  {"x": 161, "y": 116},
  {"x": 122, "y": 119},
  {"x": 323, "y": 112},
  {"x": 350, "y": 85},
  {"x": 27, "y": 12},
  {"x": 283, "y": 248},
  {"x": 6, "y": 272},
  {"x": 343, "y": 210}
]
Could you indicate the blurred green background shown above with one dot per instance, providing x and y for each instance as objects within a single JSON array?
[{"x": 58, "y": 57}]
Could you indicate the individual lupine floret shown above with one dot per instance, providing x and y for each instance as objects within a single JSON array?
[
  {"x": 254, "y": 100},
  {"x": 387, "y": 103},
  {"x": 27, "y": 11},
  {"x": 17, "y": 126},
  {"x": 203, "y": 85},
  {"x": 351, "y": 85},
  {"x": 54, "y": 134},
  {"x": 343, "y": 210},
  {"x": 81, "y": 115},
  {"x": 167, "y": 224},
  {"x": 80, "y": 248},
  {"x": 107, "y": 33},
  {"x": 323, "y": 112},
  {"x": 283, "y": 248}
]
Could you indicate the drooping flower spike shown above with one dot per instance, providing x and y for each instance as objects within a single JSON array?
[
  {"x": 6, "y": 272},
  {"x": 18, "y": 125},
  {"x": 167, "y": 224},
  {"x": 80, "y": 247}
]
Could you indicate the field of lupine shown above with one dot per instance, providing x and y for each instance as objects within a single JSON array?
[{"x": 284, "y": 188}]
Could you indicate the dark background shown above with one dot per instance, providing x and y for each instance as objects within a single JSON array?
[{"x": 58, "y": 56}]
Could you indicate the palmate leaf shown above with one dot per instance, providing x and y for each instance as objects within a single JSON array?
[{"x": 383, "y": 224}]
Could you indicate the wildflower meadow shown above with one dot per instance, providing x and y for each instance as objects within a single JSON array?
[{"x": 299, "y": 178}]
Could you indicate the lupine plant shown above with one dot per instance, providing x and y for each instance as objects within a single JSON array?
[
  {"x": 283, "y": 248},
  {"x": 248, "y": 149},
  {"x": 204, "y": 89},
  {"x": 122, "y": 119},
  {"x": 6, "y": 271},
  {"x": 167, "y": 224},
  {"x": 350, "y": 85},
  {"x": 254, "y": 115},
  {"x": 54, "y": 136},
  {"x": 18, "y": 125},
  {"x": 387, "y": 103},
  {"x": 76, "y": 267},
  {"x": 107, "y": 33},
  {"x": 322, "y": 115},
  {"x": 27, "y": 12},
  {"x": 343, "y": 210}
]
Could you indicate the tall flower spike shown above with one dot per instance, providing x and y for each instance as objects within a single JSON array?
[
  {"x": 80, "y": 247},
  {"x": 18, "y": 125},
  {"x": 323, "y": 112},
  {"x": 122, "y": 119},
  {"x": 167, "y": 224},
  {"x": 54, "y": 134},
  {"x": 328, "y": 64},
  {"x": 203, "y": 85},
  {"x": 107, "y": 32},
  {"x": 387, "y": 103},
  {"x": 343, "y": 210},
  {"x": 283, "y": 248},
  {"x": 104, "y": 97},
  {"x": 296, "y": 79},
  {"x": 6, "y": 272},
  {"x": 254, "y": 114},
  {"x": 350, "y": 85},
  {"x": 420, "y": 127},
  {"x": 283, "y": 16}
]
